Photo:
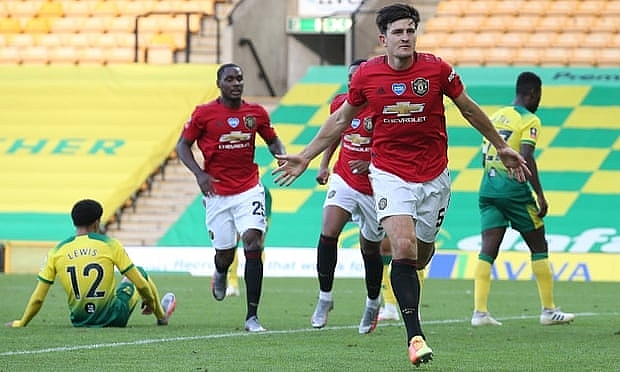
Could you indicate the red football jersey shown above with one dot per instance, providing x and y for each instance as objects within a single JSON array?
[
  {"x": 410, "y": 138},
  {"x": 226, "y": 138},
  {"x": 355, "y": 144}
]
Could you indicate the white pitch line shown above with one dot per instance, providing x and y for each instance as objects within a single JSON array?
[{"x": 236, "y": 334}]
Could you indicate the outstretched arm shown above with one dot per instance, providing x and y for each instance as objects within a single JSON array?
[
  {"x": 295, "y": 165},
  {"x": 514, "y": 162},
  {"x": 34, "y": 305}
]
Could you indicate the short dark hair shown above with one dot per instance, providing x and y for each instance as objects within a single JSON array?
[
  {"x": 526, "y": 82},
  {"x": 85, "y": 212},
  {"x": 357, "y": 62},
  {"x": 394, "y": 12},
  {"x": 220, "y": 71}
]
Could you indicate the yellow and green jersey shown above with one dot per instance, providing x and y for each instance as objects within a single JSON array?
[
  {"x": 517, "y": 126},
  {"x": 85, "y": 265}
]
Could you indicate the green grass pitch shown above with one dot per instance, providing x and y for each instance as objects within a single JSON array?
[{"x": 205, "y": 335}]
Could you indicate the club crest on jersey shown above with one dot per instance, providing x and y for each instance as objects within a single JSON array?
[
  {"x": 368, "y": 124},
  {"x": 249, "y": 121},
  {"x": 233, "y": 122},
  {"x": 399, "y": 88},
  {"x": 420, "y": 86},
  {"x": 355, "y": 123},
  {"x": 382, "y": 204},
  {"x": 331, "y": 194}
]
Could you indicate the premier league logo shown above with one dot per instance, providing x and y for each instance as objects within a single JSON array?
[
  {"x": 249, "y": 121},
  {"x": 420, "y": 86},
  {"x": 233, "y": 122},
  {"x": 399, "y": 88}
]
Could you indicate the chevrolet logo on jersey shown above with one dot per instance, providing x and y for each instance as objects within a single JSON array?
[
  {"x": 403, "y": 108},
  {"x": 235, "y": 136},
  {"x": 356, "y": 139}
]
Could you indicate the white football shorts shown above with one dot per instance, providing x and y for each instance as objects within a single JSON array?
[
  {"x": 227, "y": 216},
  {"x": 426, "y": 202},
  {"x": 359, "y": 205}
]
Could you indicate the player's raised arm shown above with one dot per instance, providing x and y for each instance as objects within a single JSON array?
[{"x": 295, "y": 165}]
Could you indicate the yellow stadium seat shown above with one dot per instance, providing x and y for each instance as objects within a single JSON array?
[
  {"x": 447, "y": 54},
  {"x": 590, "y": 8},
  {"x": 50, "y": 40},
  {"x": 97, "y": 23},
  {"x": 63, "y": 55},
  {"x": 499, "y": 23},
  {"x": 562, "y": 7},
  {"x": 582, "y": 23},
  {"x": 499, "y": 56},
  {"x": 553, "y": 56},
  {"x": 445, "y": 24},
  {"x": 541, "y": 39},
  {"x": 608, "y": 23},
  {"x": 22, "y": 9},
  {"x": 4, "y": 12},
  {"x": 4, "y": 40},
  {"x": 480, "y": 7},
  {"x": 451, "y": 8},
  {"x": 597, "y": 40},
  {"x": 134, "y": 8},
  {"x": 79, "y": 40},
  {"x": 612, "y": 7},
  {"x": 10, "y": 55},
  {"x": 21, "y": 40},
  {"x": 91, "y": 55},
  {"x": 458, "y": 39},
  {"x": 487, "y": 39},
  {"x": 523, "y": 22},
  {"x": 533, "y": 7},
  {"x": 552, "y": 23},
  {"x": 159, "y": 55},
  {"x": 514, "y": 39},
  {"x": 583, "y": 57},
  {"x": 10, "y": 25},
  {"x": 428, "y": 41},
  {"x": 78, "y": 8},
  {"x": 176, "y": 24},
  {"x": 470, "y": 23},
  {"x": 104, "y": 40},
  {"x": 38, "y": 55},
  {"x": 117, "y": 55},
  {"x": 125, "y": 39},
  {"x": 509, "y": 7},
  {"x": 162, "y": 39},
  {"x": 37, "y": 25},
  {"x": 51, "y": 8},
  {"x": 105, "y": 8},
  {"x": 153, "y": 23},
  {"x": 527, "y": 56},
  {"x": 609, "y": 57},
  {"x": 569, "y": 40},
  {"x": 123, "y": 23},
  {"x": 469, "y": 56},
  {"x": 66, "y": 24}
]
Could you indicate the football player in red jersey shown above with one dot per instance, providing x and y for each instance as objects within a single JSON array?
[
  {"x": 225, "y": 130},
  {"x": 408, "y": 170},
  {"x": 349, "y": 198}
]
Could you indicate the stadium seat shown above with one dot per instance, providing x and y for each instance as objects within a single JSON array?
[
  {"x": 80, "y": 40},
  {"x": 134, "y": 8},
  {"x": 612, "y": 7},
  {"x": 50, "y": 40},
  {"x": 590, "y": 8},
  {"x": 561, "y": 7},
  {"x": 159, "y": 55},
  {"x": 105, "y": 8},
  {"x": 51, "y": 8},
  {"x": 541, "y": 39},
  {"x": 10, "y": 25},
  {"x": 91, "y": 55},
  {"x": 552, "y": 23},
  {"x": 569, "y": 40},
  {"x": 458, "y": 39},
  {"x": 499, "y": 56},
  {"x": 523, "y": 22},
  {"x": 23, "y": 9},
  {"x": 582, "y": 23},
  {"x": 486, "y": 39},
  {"x": 69, "y": 24},
  {"x": 97, "y": 24},
  {"x": 608, "y": 57},
  {"x": 597, "y": 40},
  {"x": 117, "y": 55},
  {"x": 63, "y": 55},
  {"x": 77, "y": 8},
  {"x": 37, "y": 25},
  {"x": 478, "y": 8},
  {"x": 123, "y": 23},
  {"x": 21, "y": 40},
  {"x": 514, "y": 39},
  {"x": 10, "y": 55},
  {"x": 35, "y": 54},
  {"x": 4, "y": 40},
  {"x": 470, "y": 56},
  {"x": 451, "y": 8},
  {"x": 555, "y": 56},
  {"x": 608, "y": 23},
  {"x": 429, "y": 41},
  {"x": 527, "y": 56},
  {"x": 499, "y": 23},
  {"x": 447, "y": 54},
  {"x": 583, "y": 57},
  {"x": 510, "y": 7},
  {"x": 446, "y": 24},
  {"x": 470, "y": 23}
]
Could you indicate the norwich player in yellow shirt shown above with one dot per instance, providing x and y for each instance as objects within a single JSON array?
[
  {"x": 84, "y": 265},
  {"x": 504, "y": 201}
]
